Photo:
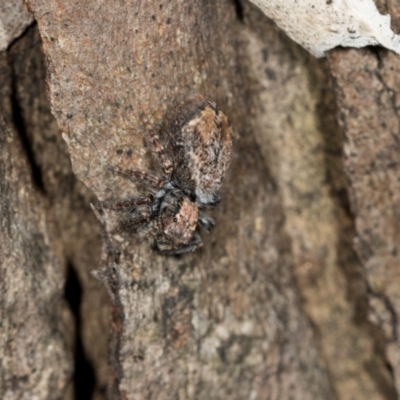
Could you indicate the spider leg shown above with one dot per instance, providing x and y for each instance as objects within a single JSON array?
[
  {"x": 135, "y": 175},
  {"x": 211, "y": 200},
  {"x": 158, "y": 150},
  {"x": 146, "y": 232},
  {"x": 206, "y": 222},
  {"x": 167, "y": 248},
  {"x": 133, "y": 223},
  {"x": 129, "y": 204}
]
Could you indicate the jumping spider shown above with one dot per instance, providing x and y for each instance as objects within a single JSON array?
[{"x": 192, "y": 149}]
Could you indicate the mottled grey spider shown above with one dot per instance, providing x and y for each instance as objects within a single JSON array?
[{"x": 193, "y": 150}]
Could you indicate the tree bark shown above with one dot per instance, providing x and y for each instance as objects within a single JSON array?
[
  {"x": 294, "y": 293},
  {"x": 55, "y": 206}
]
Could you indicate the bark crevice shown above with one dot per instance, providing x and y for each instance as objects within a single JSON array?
[
  {"x": 20, "y": 126},
  {"x": 83, "y": 379}
]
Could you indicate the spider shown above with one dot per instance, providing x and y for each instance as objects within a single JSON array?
[{"x": 192, "y": 149}]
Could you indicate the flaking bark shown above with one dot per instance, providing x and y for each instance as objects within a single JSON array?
[
  {"x": 225, "y": 322},
  {"x": 56, "y": 205},
  {"x": 295, "y": 292}
]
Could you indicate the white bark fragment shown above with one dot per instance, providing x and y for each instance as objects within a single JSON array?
[
  {"x": 14, "y": 18},
  {"x": 321, "y": 25}
]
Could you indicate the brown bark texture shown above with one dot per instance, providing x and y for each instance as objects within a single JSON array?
[
  {"x": 295, "y": 293},
  {"x": 54, "y": 238}
]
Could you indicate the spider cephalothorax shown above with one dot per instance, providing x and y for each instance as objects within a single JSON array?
[{"x": 192, "y": 148}]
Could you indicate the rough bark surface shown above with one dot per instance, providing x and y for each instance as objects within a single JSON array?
[
  {"x": 225, "y": 322},
  {"x": 72, "y": 229},
  {"x": 295, "y": 292},
  {"x": 366, "y": 84},
  {"x": 31, "y": 286},
  {"x": 303, "y": 143}
]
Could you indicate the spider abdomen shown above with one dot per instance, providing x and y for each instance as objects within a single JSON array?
[{"x": 199, "y": 138}]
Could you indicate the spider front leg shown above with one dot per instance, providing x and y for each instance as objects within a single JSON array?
[
  {"x": 138, "y": 176},
  {"x": 206, "y": 222},
  {"x": 135, "y": 222},
  {"x": 158, "y": 151},
  {"x": 136, "y": 213},
  {"x": 167, "y": 247},
  {"x": 129, "y": 204}
]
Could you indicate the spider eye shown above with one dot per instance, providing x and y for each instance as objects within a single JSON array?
[{"x": 175, "y": 220}]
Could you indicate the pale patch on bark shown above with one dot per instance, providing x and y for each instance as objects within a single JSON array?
[
  {"x": 14, "y": 18},
  {"x": 321, "y": 25}
]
